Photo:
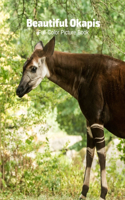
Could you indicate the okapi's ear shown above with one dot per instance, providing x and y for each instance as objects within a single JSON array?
[
  {"x": 49, "y": 48},
  {"x": 39, "y": 45}
]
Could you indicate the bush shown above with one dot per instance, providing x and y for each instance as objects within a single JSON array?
[{"x": 54, "y": 176}]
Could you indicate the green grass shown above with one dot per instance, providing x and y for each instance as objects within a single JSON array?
[
  {"x": 56, "y": 179},
  {"x": 57, "y": 197}
]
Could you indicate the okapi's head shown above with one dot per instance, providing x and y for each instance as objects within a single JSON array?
[{"x": 35, "y": 68}]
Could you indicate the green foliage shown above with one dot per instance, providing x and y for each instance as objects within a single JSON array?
[
  {"x": 53, "y": 176},
  {"x": 70, "y": 117},
  {"x": 121, "y": 148},
  {"x": 47, "y": 174}
]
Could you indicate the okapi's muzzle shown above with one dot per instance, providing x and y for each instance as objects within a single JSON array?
[
  {"x": 20, "y": 91},
  {"x": 24, "y": 87}
]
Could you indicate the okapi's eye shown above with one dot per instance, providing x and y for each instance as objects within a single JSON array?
[{"x": 33, "y": 69}]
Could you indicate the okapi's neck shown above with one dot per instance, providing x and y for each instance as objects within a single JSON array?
[{"x": 65, "y": 70}]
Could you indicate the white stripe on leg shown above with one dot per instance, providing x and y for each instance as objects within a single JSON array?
[
  {"x": 103, "y": 176},
  {"x": 102, "y": 151},
  {"x": 82, "y": 197},
  {"x": 97, "y": 126},
  {"x": 103, "y": 172},
  {"x": 90, "y": 151},
  {"x": 89, "y": 131},
  {"x": 87, "y": 176}
]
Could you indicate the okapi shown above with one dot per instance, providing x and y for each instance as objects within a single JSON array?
[{"x": 97, "y": 82}]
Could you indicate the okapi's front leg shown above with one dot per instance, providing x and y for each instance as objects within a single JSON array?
[
  {"x": 89, "y": 158},
  {"x": 98, "y": 134}
]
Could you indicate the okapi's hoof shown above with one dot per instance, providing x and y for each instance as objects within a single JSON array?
[{"x": 82, "y": 197}]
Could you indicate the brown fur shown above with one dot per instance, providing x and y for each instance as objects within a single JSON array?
[{"x": 97, "y": 82}]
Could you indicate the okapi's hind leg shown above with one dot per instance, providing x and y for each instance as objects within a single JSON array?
[
  {"x": 98, "y": 135},
  {"x": 89, "y": 158}
]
